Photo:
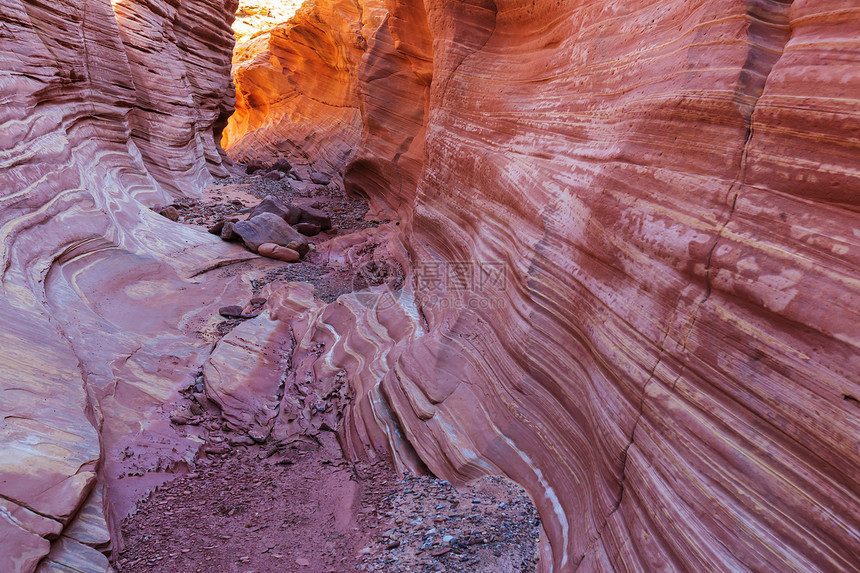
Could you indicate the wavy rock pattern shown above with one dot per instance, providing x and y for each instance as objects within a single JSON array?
[
  {"x": 673, "y": 370},
  {"x": 668, "y": 363},
  {"x": 102, "y": 300},
  {"x": 297, "y": 86}
]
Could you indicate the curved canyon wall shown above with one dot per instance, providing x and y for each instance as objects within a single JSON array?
[
  {"x": 298, "y": 85},
  {"x": 669, "y": 362},
  {"x": 672, "y": 188},
  {"x": 629, "y": 232},
  {"x": 104, "y": 304}
]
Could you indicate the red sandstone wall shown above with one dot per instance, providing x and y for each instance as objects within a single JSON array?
[
  {"x": 674, "y": 371},
  {"x": 297, "y": 86},
  {"x": 100, "y": 298}
]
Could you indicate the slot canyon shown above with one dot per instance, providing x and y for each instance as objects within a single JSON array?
[{"x": 576, "y": 285}]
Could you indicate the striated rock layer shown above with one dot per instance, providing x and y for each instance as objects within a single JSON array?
[
  {"x": 629, "y": 232},
  {"x": 671, "y": 364},
  {"x": 297, "y": 86},
  {"x": 104, "y": 304},
  {"x": 669, "y": 360}
]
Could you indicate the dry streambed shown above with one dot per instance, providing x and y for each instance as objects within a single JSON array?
[{"x": 255, "y": 507}]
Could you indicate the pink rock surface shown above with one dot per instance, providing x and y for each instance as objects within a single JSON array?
[
  {"x": 105, "y": 305},
  {"x": 672, "y": 365}
]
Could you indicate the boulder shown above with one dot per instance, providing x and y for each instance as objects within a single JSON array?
[
  {"x": 268, "y": 228},
  {"x": 315, "y": 216},
  {"x": 253, "y": 167},
  {"x": 308, "y": 229},
  {"x": 289, "y": 213},
  {"x": 274, "y": 175},
  {"x": 320, "y": 179},
  {"x": 274, "y": 251}
]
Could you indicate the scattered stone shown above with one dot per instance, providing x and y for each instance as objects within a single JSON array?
[
  {"x": 216, "y": 449},
  {"x": 302, "y": 562},
  {"x": 278, "y": 252},
  {"x": 218, "y": 227},
  {"x": 269, "y": 228},
  {"x": 319, "y": 178},
  {"x": 308, "y": 229},
  {"x": 170, "y": 212},
  {"x": 241, "y": 440},
  {"x": 233, "y": 311}
]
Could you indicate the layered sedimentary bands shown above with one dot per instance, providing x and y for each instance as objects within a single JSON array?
[
  {"x": 299, "y": 85},
  {"x": 630, "y": 231}
]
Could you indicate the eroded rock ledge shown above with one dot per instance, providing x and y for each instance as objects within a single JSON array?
[{"x": 670, "y": 365}]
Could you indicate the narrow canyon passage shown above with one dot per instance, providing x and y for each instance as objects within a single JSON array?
[{"x": 425, "y": 285}]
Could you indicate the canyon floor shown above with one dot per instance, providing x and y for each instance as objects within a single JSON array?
[{"x": 254, "y": 507}]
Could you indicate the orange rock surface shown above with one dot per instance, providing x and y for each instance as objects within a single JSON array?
[{"x": 298, "y": 84}]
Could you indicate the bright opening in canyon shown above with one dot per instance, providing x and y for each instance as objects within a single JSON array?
[{"x": 408, "y": 286}]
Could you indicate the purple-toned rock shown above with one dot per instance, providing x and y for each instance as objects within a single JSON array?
[
  {"x": 268, "y": 228},
  {"x": 232, "y": 311},
  {"x": 227, "y": 232},
  {"x": 320, "y": 179},
  {"x": 218, "y": 227},
  {"x": 289, "y": 213},
  {"x": 170, "y": 212},
  {"x": 308, "y": 229},
  {"x": 315, "y": 216}
]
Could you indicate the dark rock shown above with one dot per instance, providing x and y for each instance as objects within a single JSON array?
[
  {"x": 316, "y": 216},
  {"x": 308, "y": 229},
  {"x": 319, "y": 179},
  {"x": 219, "y": 226},
  {"x": 170, "y": 212},
  {"x": 227, "y": 232},
  {"x": 241, "y": 440},
  {"x": 258, "y": 301},
  {"x": 253, "y": 167},
  {"x": 298, "y": 247},
  {"x": 269, "y": 228},
  {"x": 282, "y": 165},
  {"x": 288, "y": 213},
  {"x": 273, "y": 175},
  {"x": 216, "y": 449},
  {"x": 233, "y": 311}
]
